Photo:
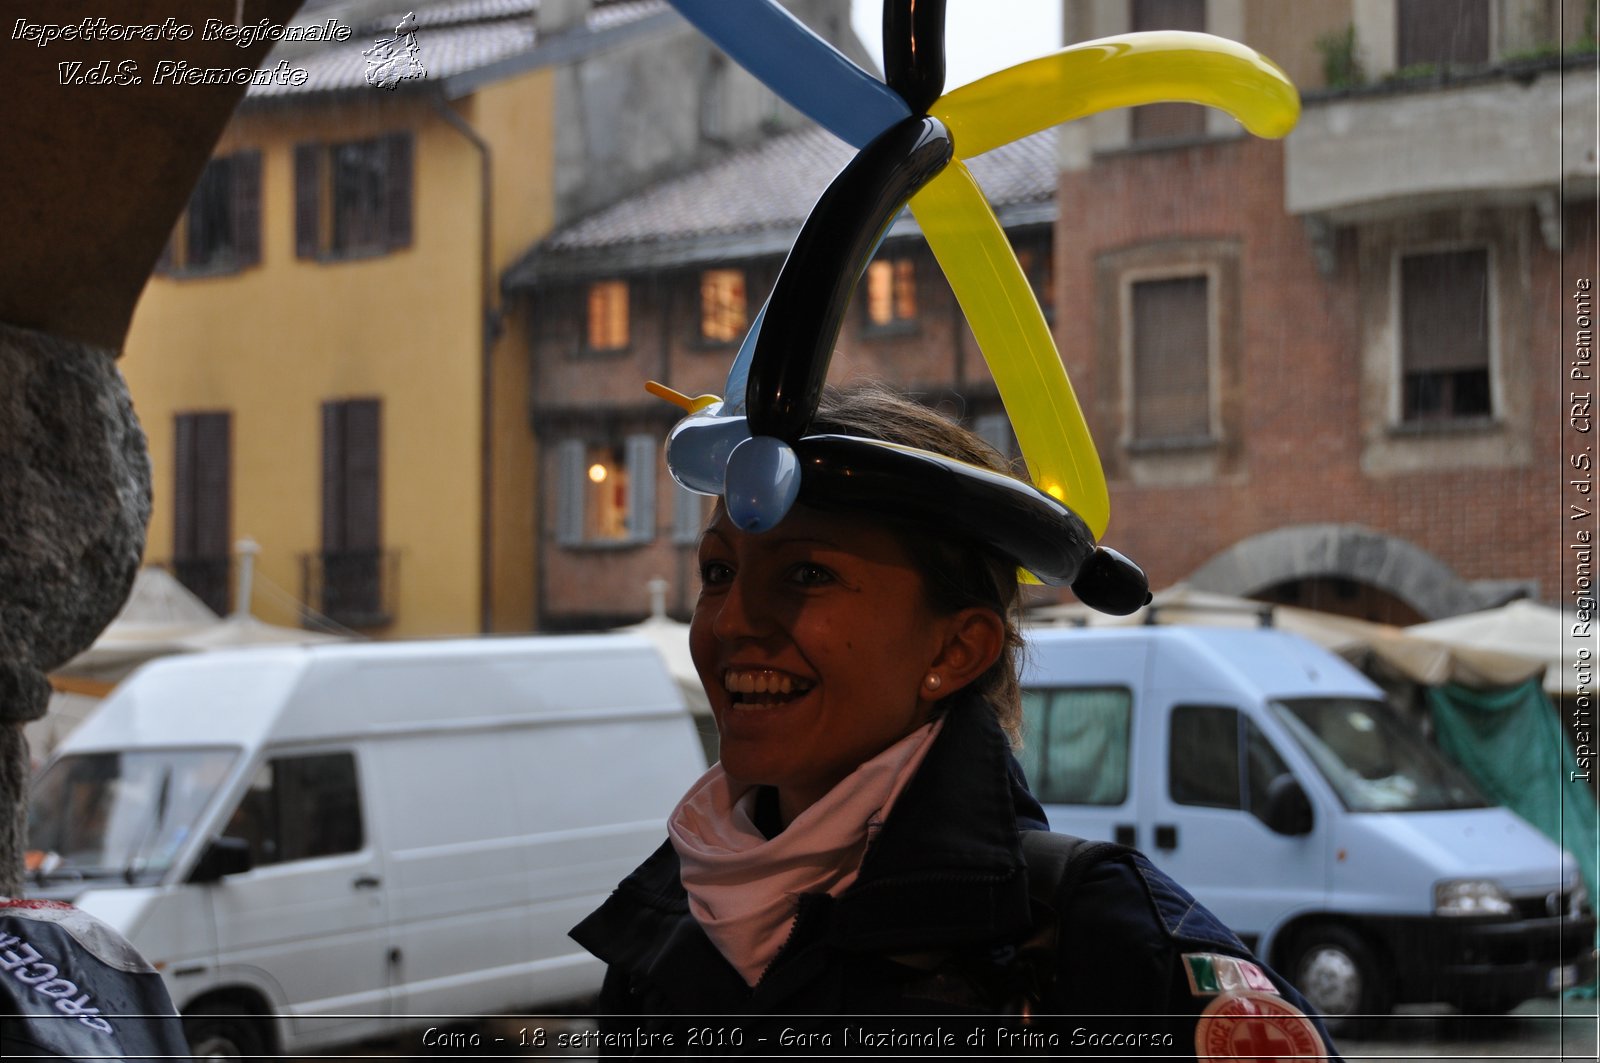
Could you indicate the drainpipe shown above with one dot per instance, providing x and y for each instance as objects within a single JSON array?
[{"x": 491, "y": 321}]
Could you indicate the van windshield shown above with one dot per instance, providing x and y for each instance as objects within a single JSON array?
[
  {"x": 1375, "y": 760},
  {"x": 119, "y": 815}
]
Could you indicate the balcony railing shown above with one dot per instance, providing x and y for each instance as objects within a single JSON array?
[{"x": 352, "y": 588}]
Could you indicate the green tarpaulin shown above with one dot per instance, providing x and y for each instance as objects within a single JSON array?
[{"x": 1511, "y": 742}]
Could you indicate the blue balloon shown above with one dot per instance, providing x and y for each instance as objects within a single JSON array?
[
  {"x": 761, "y": 483},
  {"x": 699, "y": 445},
  {"x": 799, "y": 66}
]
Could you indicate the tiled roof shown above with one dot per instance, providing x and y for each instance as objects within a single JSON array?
[
  {"x": 754, "y": 202},
  {"x": 454, "y": 37}
]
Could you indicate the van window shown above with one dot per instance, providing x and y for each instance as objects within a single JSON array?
[
  {"x": 1373, "y": 758},
  {"x": 1075, "y": 745},
  {"x": 300, "y": 807},
  {"x": 1204, "y": 764},
  {"x": 127, "y": 814}
]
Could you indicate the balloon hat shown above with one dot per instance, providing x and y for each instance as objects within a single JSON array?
[{"x": 752, "y": 447}]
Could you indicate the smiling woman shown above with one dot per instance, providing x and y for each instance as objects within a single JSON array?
[{"x": 859, "y": 849}]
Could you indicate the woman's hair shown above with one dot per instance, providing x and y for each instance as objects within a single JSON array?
[{"x": 958, "y": 573}]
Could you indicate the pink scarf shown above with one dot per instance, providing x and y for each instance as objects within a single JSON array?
[{"x": 743, "y": 888}]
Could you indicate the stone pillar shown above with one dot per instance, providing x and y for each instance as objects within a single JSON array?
[{"x": 74, "y": 503}]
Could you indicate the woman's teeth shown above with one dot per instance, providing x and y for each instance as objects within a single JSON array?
[{"x": 768, "y": 687}]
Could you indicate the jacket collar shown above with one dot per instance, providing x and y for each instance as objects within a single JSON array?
[{"x": 945, "y": 871}]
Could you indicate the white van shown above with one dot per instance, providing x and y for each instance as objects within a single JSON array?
[
  {"x": 1270, "y": 778},
  {"x": 321, "y": 845}
]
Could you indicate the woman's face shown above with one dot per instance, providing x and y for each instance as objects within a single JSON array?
[{"x": 813, "y": 642}]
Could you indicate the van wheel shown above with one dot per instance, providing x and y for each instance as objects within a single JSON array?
[
  {"x": 217, "y": 1030},
  {"x": 1338, "y": 974}
]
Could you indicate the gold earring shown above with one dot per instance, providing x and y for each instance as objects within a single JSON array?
[{"x": 933, "y": 682}]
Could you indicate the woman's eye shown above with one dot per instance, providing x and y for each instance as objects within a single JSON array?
[
  {"x": 713, "y": 572},
  {"x": 811, "y": 575}
]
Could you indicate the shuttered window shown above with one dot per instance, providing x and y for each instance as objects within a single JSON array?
[
  {"x": 202, "y": 504},
  {"x": 688, "y": 515},
  {"x": 1442, "y": 32},
  {"x": 606, "y": 493},
  {"x": 351, "y": 522},
  {"x": 1444, "y": 335},
  {"x": 220, "y": 229},
  {"x": 1168, "y": 121},
  {"x": 353, "y": 198},
  {"x": 1171, "y": 350}
]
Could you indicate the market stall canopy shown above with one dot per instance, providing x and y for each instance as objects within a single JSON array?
[
  {"x": 1499, "y": 648},
  {"x": 1511, "y": 643},
  {"x": 161, "y": 618}
]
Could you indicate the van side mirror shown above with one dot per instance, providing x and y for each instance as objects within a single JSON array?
[
  {"x": 224, "y": 856},
  {"x": 1288, "y": 810}
]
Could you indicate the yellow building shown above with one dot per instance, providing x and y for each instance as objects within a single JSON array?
[{"x": 324, "y": 363}]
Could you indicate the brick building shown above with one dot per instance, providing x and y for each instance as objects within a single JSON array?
[
  {"x": 662, "y": 287},
  {"x": 1325, "y": 371}
]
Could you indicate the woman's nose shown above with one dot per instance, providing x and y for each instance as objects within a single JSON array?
[{"x": 741, "y": 613}]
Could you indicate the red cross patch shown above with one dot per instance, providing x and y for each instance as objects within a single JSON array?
[{"x": 1252, "y": 1027}]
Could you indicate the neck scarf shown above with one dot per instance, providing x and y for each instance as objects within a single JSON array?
[{"x": 744, "y": 888}]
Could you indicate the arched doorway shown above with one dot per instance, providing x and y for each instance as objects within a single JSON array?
[{"x": 1340, "y": 568}]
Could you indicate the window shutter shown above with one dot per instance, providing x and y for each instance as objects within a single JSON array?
[
  {"x": 307, "y": 202},
  {"x": 247, "y": 207},
  {"x": 569, "y": 492},
  {"x": 362, "y": 468},
  {"x": 1171, "y": 359},
  {"x": 183, "y": 494},
  {"x": 398, "y": 167},
  {"x": 688, "y": 515},
  {"x": 641, "y": 488},
  {"x": 332, "y": 476},
  {"x": 995, "y": 430},
  {"x": 212, "y": 464}
]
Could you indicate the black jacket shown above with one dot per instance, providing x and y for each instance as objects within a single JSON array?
[{"x": 930, "y": 928}]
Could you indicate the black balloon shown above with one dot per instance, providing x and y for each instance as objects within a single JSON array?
[
  {"x": 947, "y": 495},
  {"x": 913, "y": 51},
  {"x": 790, "y": 361}
]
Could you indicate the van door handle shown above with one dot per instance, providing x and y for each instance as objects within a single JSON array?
[
  {"x": 1166, "y": 836},
  {"x": 1125, "y": 834},
  {"x": 367, "y": 882}
]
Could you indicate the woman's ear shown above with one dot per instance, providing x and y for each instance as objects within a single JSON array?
[{"x": 973, "y": 641}]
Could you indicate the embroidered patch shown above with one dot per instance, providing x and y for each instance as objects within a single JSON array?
[
  {"x": 1210, "y": 973},
  {"x": 1257, "y": 1026}
]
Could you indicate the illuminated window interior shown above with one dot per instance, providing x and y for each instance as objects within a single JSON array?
[
  {"x": 608, "y": 315},
  {"x": 891, "y": 291},
  {"x": 606, "y": 493},
  {"x": 723, "y": 314}
]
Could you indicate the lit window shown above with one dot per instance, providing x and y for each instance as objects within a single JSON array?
[
  {"x": 891, "y": 292},
  {"x": 608, "y": 315},
  {"x": 722, "y": 305},
  {"x": 1444, "y": 335},
  {"x": 606, "y": 494},
  {"x": 605, "y": 491},
  {"x": 1171, "y": 359}
]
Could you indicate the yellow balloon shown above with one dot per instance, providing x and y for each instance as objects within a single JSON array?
[
  {"x": 1123, "y": 71},
  {"x": 1011, "y": 330}
]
